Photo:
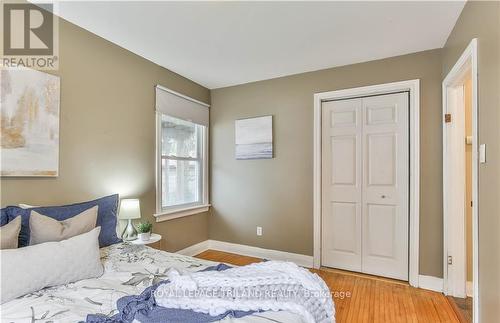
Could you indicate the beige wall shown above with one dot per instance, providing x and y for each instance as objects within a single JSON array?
[
  {"x": 482, "y": 20},
  {"x": 107, "y": 132},
  {"x": 277, "y": 194}
]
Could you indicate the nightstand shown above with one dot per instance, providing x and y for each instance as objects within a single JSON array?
[{"x": 154, "y": 241}]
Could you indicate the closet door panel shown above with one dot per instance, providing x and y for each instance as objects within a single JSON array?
[
  {"x": 385, "y": 186},
  {"x": 341, "y": 184}
]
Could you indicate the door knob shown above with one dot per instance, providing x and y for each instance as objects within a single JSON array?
[{"x": 383, "y": 196}]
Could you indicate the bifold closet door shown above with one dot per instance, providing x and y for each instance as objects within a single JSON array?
[
  {"x": 365, "y": 179},
  {"x": 341, "y": 184},
  {"x": 385, "y": 186}
]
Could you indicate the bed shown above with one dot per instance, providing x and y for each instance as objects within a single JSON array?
[{"x": 128, "y": 270}]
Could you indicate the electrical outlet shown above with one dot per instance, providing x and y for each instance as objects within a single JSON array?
[{"x": 259, "y": 231}]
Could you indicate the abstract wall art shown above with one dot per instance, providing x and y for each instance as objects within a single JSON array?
[
  {"x": 254, "y": 138},
  {"x": 29, "y": 122}
]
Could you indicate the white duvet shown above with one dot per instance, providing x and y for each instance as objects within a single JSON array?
[{"x": 128, "y": 270}]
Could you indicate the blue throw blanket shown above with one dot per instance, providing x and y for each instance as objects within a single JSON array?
[{"x": 144, "y": 309}]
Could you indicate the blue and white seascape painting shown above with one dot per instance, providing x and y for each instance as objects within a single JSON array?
[{"x": 254, "y": 138}]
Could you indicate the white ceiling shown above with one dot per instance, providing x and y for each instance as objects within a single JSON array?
[{"x": 218, "y": 44}]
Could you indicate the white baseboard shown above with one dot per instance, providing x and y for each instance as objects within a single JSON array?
[
  {"x": 244, "y": 250},
  {"x": 425, "y": 282},
  {"x": 194, "y": 249},
  {"x": 430, "y": 283},
  {"x": 299, "y": 259},
  {"x": 469, "y": 289}
]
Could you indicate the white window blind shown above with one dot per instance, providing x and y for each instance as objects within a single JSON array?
[{"x": 181, "y": 107}]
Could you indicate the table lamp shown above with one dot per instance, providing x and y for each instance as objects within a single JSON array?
[{"x": 129, "y": 209}]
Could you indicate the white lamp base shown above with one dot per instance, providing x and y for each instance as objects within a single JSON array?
[{"x": 130, "y": 233}]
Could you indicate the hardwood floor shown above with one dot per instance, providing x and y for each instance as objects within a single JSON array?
[
  {"x": 463, "y": 308},
  {"x": 361, "y": 298}
]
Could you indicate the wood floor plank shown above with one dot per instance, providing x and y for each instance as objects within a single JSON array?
[
  {"x": 462, "y": 308},
  {"x": 372, "y": 299}
]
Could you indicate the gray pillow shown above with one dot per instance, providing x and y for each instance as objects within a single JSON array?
[
  {"x": 26, "y": 270},
  {"x": 9, "y": 234},
  {"x": 45, "y": 229}
]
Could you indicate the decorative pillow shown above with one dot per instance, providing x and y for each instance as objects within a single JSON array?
[
  {"x": 26, "y": 270},
  {"x": 9, "y": 234},
  {"x": 45, "y": 229},
  {"x": 106, "y": 217},
  {"x": 4, "y": 215}
]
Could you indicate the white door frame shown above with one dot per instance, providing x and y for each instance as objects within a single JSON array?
[
  {"x": 413, "y": 86},
  {"x": 466, "y": 62}
]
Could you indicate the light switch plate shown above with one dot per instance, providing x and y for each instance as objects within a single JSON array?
[{"x": 482, "y": 153}]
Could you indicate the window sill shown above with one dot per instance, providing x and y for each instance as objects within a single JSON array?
[{"x": 175, "y": 214}]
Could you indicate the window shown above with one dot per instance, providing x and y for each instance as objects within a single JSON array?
[
  {"x": 182, "y": 187},
  {"x": 181, "y": 163}
]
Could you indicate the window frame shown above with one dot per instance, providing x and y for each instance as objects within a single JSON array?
[{"x": 173, "y": 212}]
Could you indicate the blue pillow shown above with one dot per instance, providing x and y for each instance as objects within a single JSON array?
[
  {"x": 4, "y": 217},
  {"x": 106, "y": 217}
]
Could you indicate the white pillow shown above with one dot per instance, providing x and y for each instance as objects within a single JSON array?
[{"x": 32, "y": 268}]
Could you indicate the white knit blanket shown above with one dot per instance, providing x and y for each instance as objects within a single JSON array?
[{"x": 265, "y": 286}]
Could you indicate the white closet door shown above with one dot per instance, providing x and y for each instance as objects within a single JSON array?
[
  {"x": 341, "y": 184},
  {"x": 385, "y": 185},
  {"x": 365, "y": 178}
]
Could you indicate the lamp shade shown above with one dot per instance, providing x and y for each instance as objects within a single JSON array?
[{"x": 130, "y": 209}]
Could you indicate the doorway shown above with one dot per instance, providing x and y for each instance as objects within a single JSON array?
[
  {"x": 460, "y": 183},
  {"x": 388, "y": 202}
]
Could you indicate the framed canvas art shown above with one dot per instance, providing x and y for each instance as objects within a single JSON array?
[
  {"x": 29, "y": 123},
  {"x": 254, "y": 138}
]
